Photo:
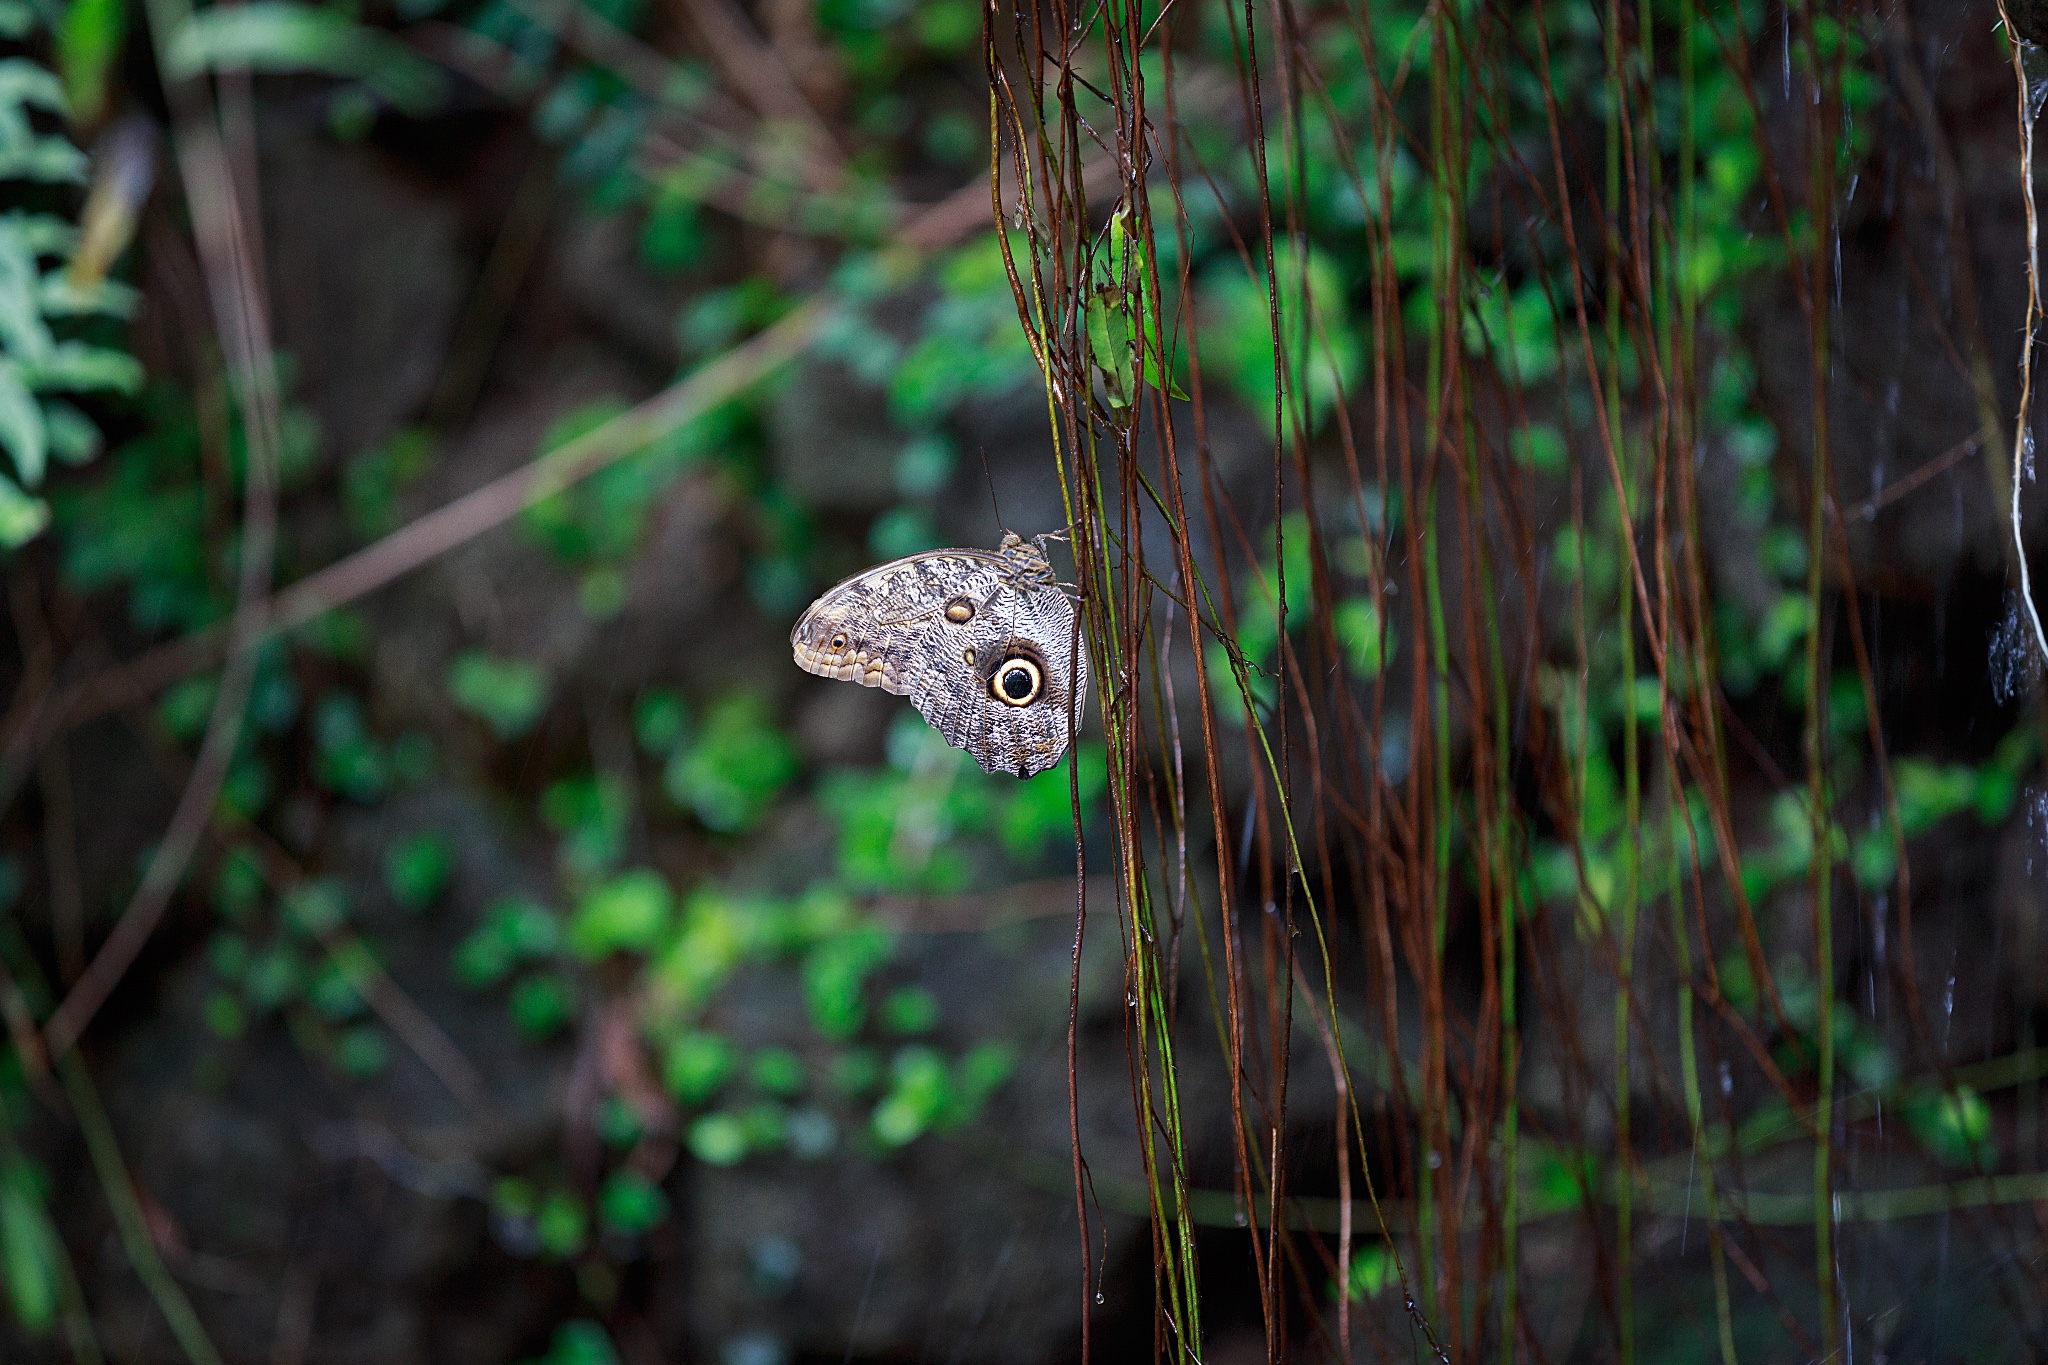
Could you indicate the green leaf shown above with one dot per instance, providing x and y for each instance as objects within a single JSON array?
[
  {"x": 28, "y": 1248},
  {"x": 561, "y": 1225},
  {"x": 363, "y": 1051},
  {"x": 717, "y": 931},
  {"x": 515, "y": 930},
  {"x": 947, "y": 27},
  {"x": 661, "y": 721},
  {"x": 508, "y": 695},
  {"x": 1517, "y": 328},
  {"x": 348, "y": 758},
  {"x": 924, "y": 466},
  {"x": 1929, "y": 793},
  {"x": 59, "y": 297},
  {"x": 1358, "y": 630},
  {"x": 697, "y": 1064},
  {"x": 735, "y": 769},
  {"x": 766, "y": 1125},
  {"x": 1040, "y": 814},
  {"x": 373, "y": 479},
  {"x": 1237, "y": 330},
  {"x": 22, "y": 518},
  {"x": 238, "y": 885},
  {"x": 26, "y": 83},
  {"x": 903, "y": 531},
  {"x": 1372, "y": 1270},
  {"x": 23, "y": 332},
  {"x": 44, "y": 234},
  {"x": 1784, "y": 625},
  {"x": 1541, "y": 446},
  {"x": 512, "y": 1197},
  {"x": 980, "y": 1073},
  {"x": 1874, "y": 859},
  {"x": 673, "y": 237},
  {"x": 247, "y": 788},
  {"x": 834, "y": 975},
  {"x": 274, "y": 979},
  {"x": 590, "y": 813},
  {"x": 919, "y": 1093},
  {"x": 909, "y": 1011},
  {"x": 316, "y": 907},
  {"x": 274, "y": 35},
  {"x": 581, "y": 1342},
  {"x": 333, "y": 994},
  {"x": 482, "y": 960},
  {"x": 617, "y": 1122},
  {"x": 718, "y": 1139},
  {"x": 417, "y": 868},
  {"x": 48, "y": 160},
  {"x": 74, "y": 367},
  {"x": 541, "y": 1005},
  {"x": 89, "y": 39},
  {"x": 21, "y": 424},
  {"x": 224, "y": 1015},
  {"x": 229, "y": 955},
  {"x": 73, "y": 438},
  {"x": 1563, "y": 1179},
  {"x": 631, "y": 912},
  {"x": 778, "y": 1071},
  {"x": 1955, "y": 1126},
  {"x": 631, "y": 1203}
]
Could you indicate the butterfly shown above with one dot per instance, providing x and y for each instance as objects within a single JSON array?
[{"x": 986, "y": 645}]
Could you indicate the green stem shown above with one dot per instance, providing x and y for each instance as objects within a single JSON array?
[
  {"x": 126, "y": 1207},
  {"x": 1631, "y": 755},
  {"x": 1822, "y": 873}
]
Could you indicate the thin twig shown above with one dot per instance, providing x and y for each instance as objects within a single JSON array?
[
  {"x": 60, "y": 857},
  {"x": 23, "y": 1034},
  {"x": 129, "y": 1220},
  {"x": 1926, "y": 473},
  {"x": 2023, "y": 441},
  {"x": 490, "y": 301},
  {"x": 226, "y": 247},
  {"x": 406, "y": 1019},
  {"x": 53, "y": 772},
  {"x": 758, "y": 75}
]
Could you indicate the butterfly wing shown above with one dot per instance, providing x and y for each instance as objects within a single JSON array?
[{"x": 986, "y": 655}]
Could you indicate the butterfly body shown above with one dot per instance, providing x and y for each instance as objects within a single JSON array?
[{"x": 984, "y": 643}]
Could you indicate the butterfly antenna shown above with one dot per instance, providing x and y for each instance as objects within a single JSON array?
[{"x": 990, "y": 480}]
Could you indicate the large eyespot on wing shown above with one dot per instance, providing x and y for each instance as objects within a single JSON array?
[{"x": 1018, "y": 679}]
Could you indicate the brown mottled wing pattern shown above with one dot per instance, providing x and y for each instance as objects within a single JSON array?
[{"x": 955, "y": 631}]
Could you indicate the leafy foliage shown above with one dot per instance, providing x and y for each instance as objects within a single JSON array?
[
  {"x": 1392, "y": 255},
  {"x": 53, "y": 319}
]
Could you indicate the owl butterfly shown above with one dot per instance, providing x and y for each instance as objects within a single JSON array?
[{"x": 984, "y": 644}]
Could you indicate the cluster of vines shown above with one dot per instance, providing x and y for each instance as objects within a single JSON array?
[{"x": 1323, "y": 837}]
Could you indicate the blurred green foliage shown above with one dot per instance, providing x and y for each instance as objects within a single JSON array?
[
  {"x": 508, "y": 695},
  {"x": 580, "y": 1342},
  {"x": 730, "y": 772},
  {"x": 687, "y": 949},
  {"x": 31, "y": 1257},
  {"x": 656, "y": 897}
]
